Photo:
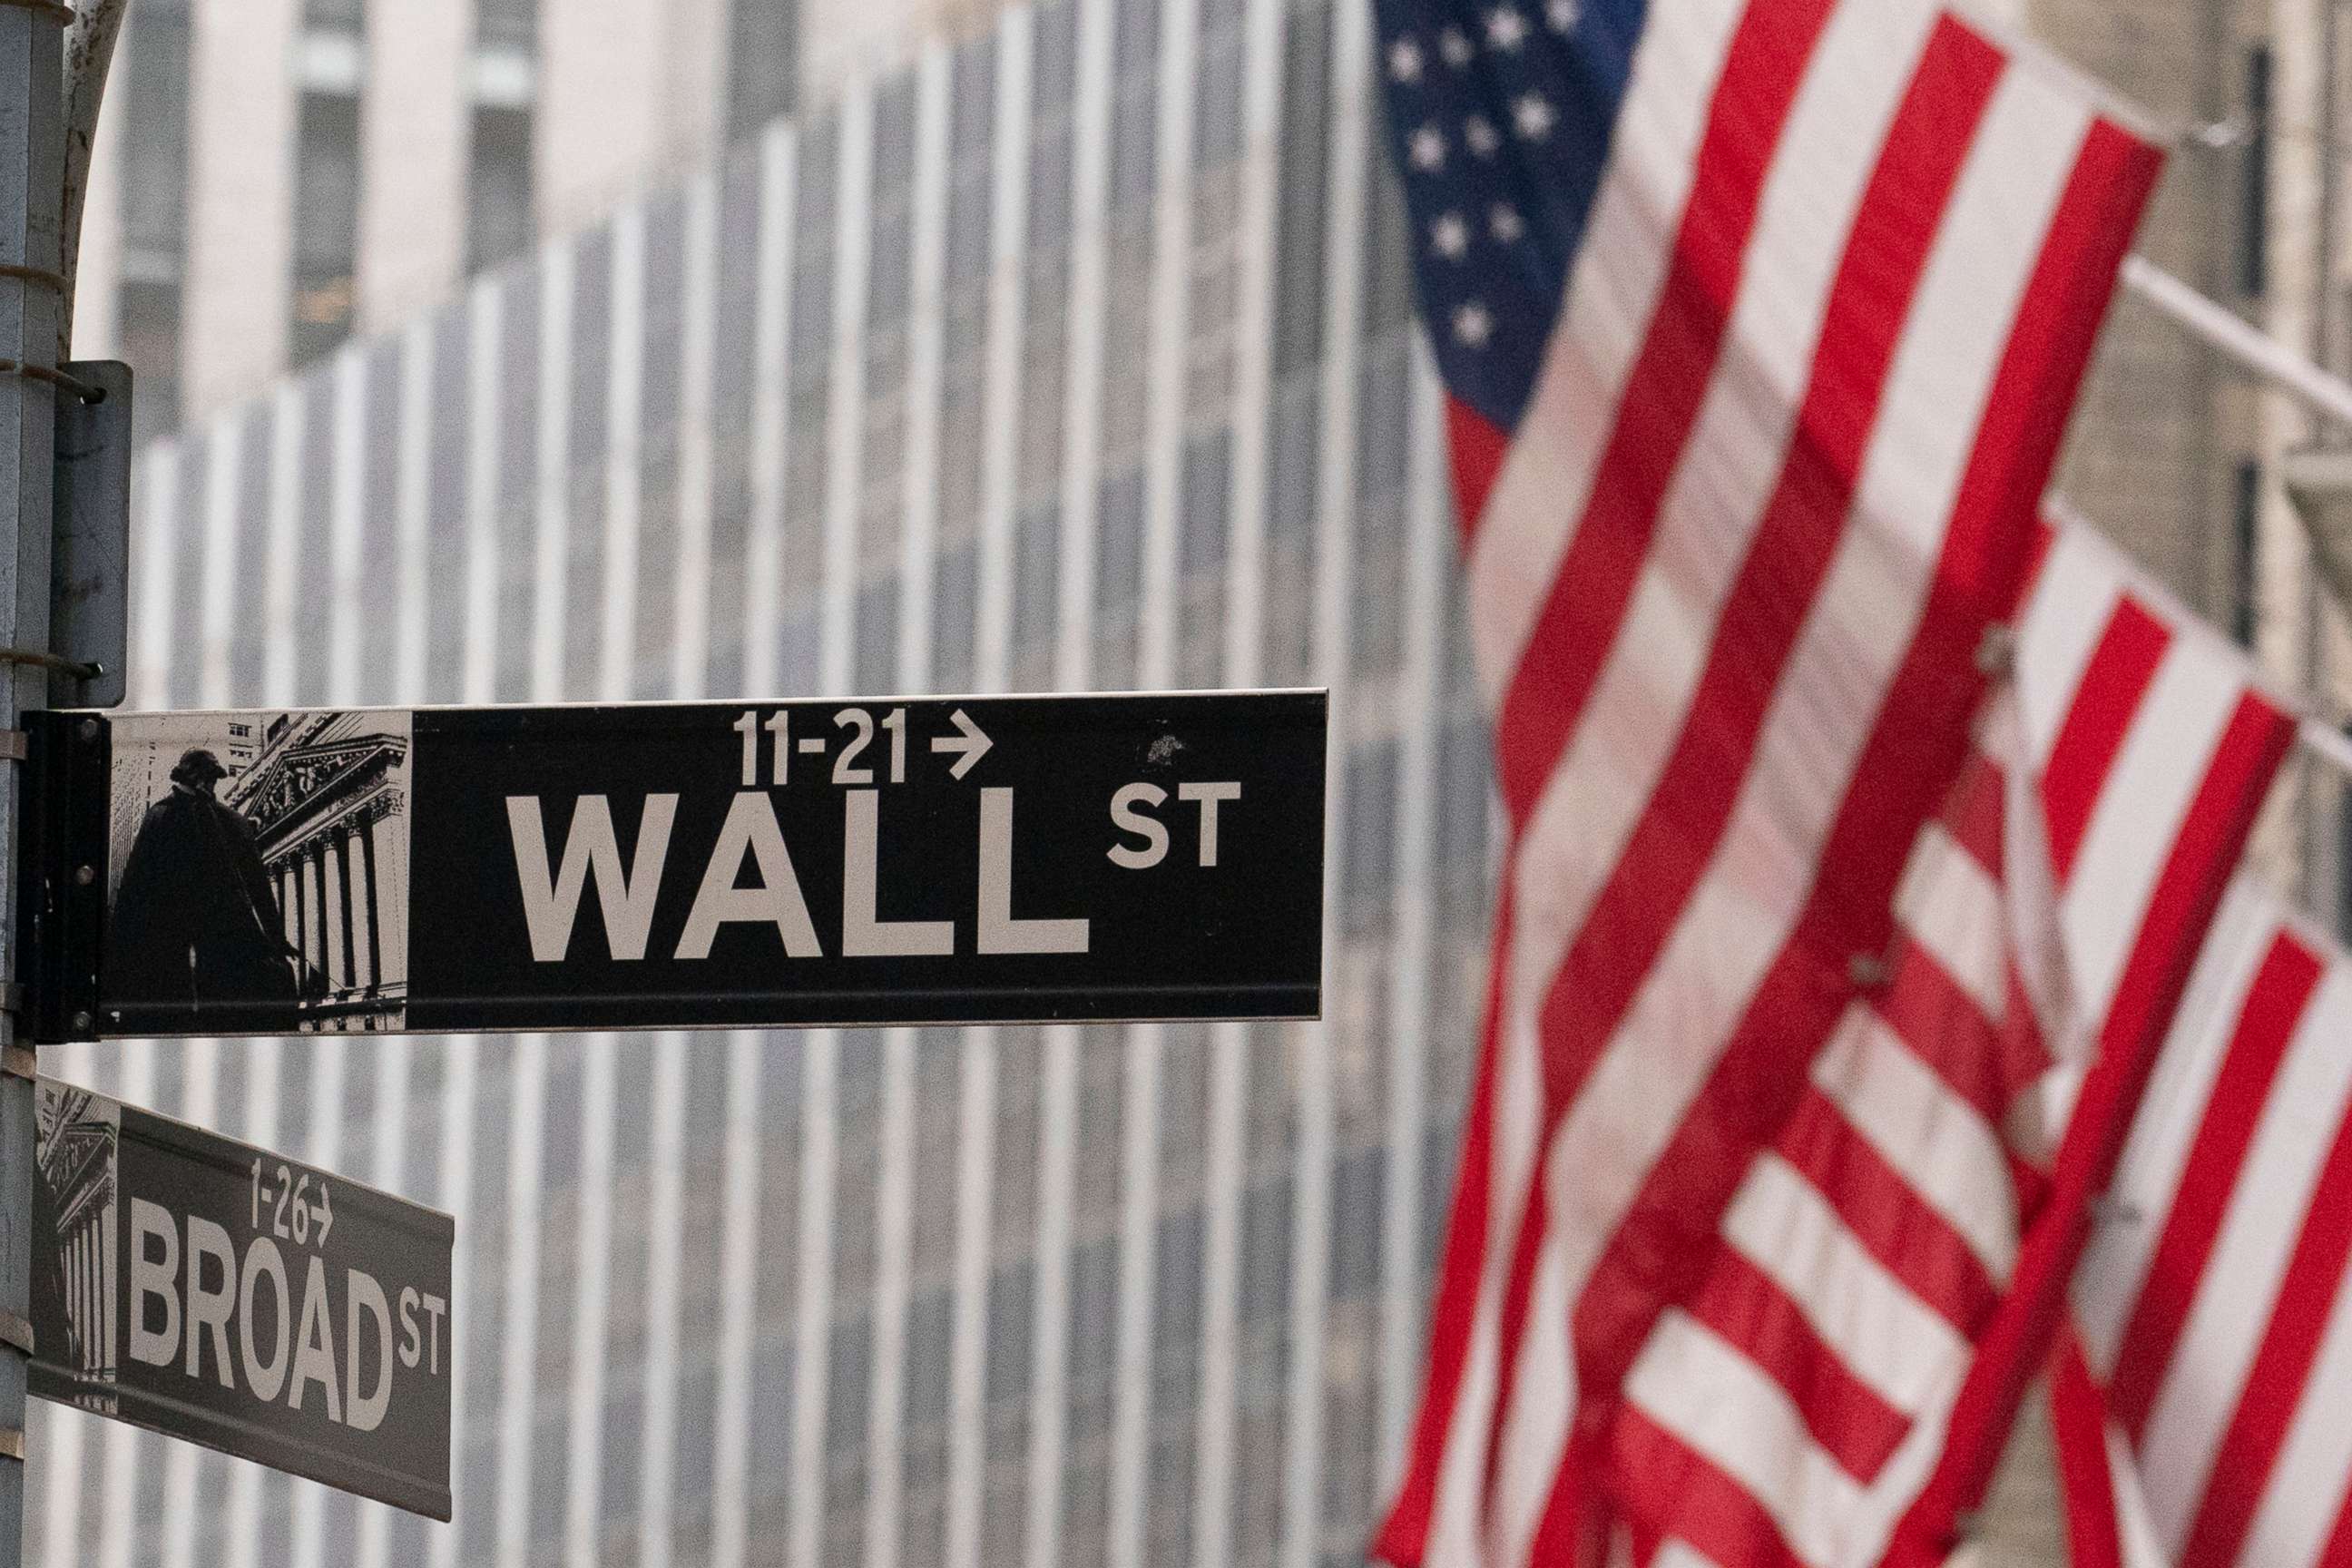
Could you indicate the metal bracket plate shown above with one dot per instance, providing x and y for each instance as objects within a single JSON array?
[
  {"x": 62, "y": 916},
  {"x": 90, "y": 551},
  {"x": 17, "y": 1332}
]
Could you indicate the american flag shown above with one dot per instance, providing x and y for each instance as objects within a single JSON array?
[
  {"x": 1760, "y": 323},
  {"x": 2203, "y": 1401}
]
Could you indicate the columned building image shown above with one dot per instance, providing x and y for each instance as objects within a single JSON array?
[{"x": 325, "y": 797}]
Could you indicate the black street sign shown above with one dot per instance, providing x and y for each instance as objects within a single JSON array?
[
  {"x": 658, "y": 865},
  {"x": 211, "y": 1290}
]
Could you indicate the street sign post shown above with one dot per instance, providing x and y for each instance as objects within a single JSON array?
[
  {"x": 871, "y": 861},
  {"x": 214, "y": 1291}
]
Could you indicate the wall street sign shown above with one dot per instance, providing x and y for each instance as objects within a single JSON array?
[
  {"x": 217, "y": 1292},
  {"x": 712, "y": 864}
]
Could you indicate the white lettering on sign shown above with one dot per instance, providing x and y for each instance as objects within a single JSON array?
[
  {"x": 300, "y": 1353},
  {"x": 1209, "y": 797},
  {"x": 1129, "y": 814},
  {"x": 1126, "y": 817},
  {"x": 999, "y": 931},
  {"x": 863, "y": 934},
  {"x": 411, "y": 1346},
  {"x": 550, "y": 905},
  {"x": 776, "y": 900}
]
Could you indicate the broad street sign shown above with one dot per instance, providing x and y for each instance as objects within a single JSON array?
[
  {"x": 660, "y": 865},
  {"x": 214, "y": 1291}
]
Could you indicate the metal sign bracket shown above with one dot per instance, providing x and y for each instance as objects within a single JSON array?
[{"x": 61, "y": 875}]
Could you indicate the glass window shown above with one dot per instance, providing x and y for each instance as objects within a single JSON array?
[
  {"x": 762, "y": 64},
  {"x": 499, "y": 187},
  {"x": 326, "y": 222},
  {"x": 512, "y": 22}
]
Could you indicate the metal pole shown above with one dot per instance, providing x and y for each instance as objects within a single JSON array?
[
  {"x": 2252, "y": 348},
  {"x": 32, "y": 150}
]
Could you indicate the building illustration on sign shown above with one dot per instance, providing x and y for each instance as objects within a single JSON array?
[
  {"x": 74, "y": 1198},
  {"x": 259, "y": 872}
]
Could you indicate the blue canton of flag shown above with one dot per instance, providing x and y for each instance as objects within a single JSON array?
[{"x": 1501, "y": 116}]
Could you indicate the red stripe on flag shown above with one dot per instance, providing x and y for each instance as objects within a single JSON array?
[
  {"x": 1974, "y": 814},
  {"x": 1752, "y": 1314},
  {"x": 2337, "y": 1553},
  {"x": 1887, "y": 1216},
  {"x": 1571, "y": 641},
  {"x": 1946, "y": 1029},
  {"x": 2274, "y": 1005},
  {"x": 2078, "y": 1420},
  {"x": 2100, "y": 715},
  {"x": 1681, "y": 1495},
  {"x": 1478, "y": 447},
  {"x": 2278, "y": 1384},
  {"x": 2011, "y": 1349},
  {"x": 1406, "y": 1533},
  {"x": 1670, "y": 850}
]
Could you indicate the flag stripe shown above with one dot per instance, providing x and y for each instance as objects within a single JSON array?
[
  {"x": 2225, "y": 1324},
  {"x": 1938, "y": 1144},
  {"x": 1720, "y": 1405},
  {"x": 1404, "y": 1535},
  {"x": 1571, "y": 634},
  {"x": 2274, "y": 1005},
  {"x": 1901, "y": 1229},
  {"x": 1743, "y": 1305},
  {"x": 1671, "y": 1482},
  {"x": 2114, "y": 1273},
  {"x": 1649, "y": 900},
  {"x": 1790, "y": 1230},
  {"x": 2009, "y": 1350},
  {"x": 2258, "y": 1427},
  {"x": 2121, "y": 669},
  {"x": 1517, "y": 540}
]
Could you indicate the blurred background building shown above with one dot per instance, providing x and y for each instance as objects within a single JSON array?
[{"x": 503, "y": 352}]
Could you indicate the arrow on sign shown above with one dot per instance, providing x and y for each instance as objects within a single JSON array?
[
  {"x": 972, "y": 743},
  {"x": 323, "y": 1214}
]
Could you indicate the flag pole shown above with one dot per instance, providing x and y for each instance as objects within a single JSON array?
[
  {"x": 2256, "y": 349},
  {"x": 2327, "y": 395}
]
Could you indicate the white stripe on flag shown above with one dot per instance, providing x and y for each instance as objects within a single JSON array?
[
  {"x": 2272, "y": 1194},
  {"x": 1934, "y": 1140},
  {"x": 2142, "y": 807},
  {"x": 1952, "y": 907},
  {"x": 1611, "y": 298},
  {"x": 1739, "y": 915},
  {"x": 1892, "y": 1340},
  {"x": 1721, "y": 1406},
  {"x": 2305, "y": 1493},
  {"x": 2114, "y": 1266},
  {"x": 2075, "y": 595}
]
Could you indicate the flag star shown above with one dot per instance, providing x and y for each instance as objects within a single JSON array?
[
  {"x": 1426, "y": 149},
  {"x": 1450, "y": 236},
  {"x": 1454, "y": 45},
  {"x": 1506, "y": 224},
  {"x": 1563, "y": 14},
  {"x": 1478, "y": 133},
  {"x": 1532, "y": 116},
  {"x": 1506, "y": 28},
  {"x": 1473, "y": 325},
  {"x": 1404, "y": 62}
]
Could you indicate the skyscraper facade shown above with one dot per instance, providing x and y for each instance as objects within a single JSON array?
[{"x": 1078, "y": 355}]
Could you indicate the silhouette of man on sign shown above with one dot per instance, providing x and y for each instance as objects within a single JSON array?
[{"x": 195, "y": 920}]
